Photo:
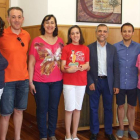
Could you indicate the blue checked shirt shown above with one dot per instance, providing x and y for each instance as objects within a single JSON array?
[{"x": 127, "y": 61}]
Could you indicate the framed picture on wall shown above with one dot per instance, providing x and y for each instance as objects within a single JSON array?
[{"x": 99, "y": 11}]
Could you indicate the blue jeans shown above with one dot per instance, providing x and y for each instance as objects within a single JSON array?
[
  {"x": 15, "y": 95},
  {"x": 47, "y": 100}
]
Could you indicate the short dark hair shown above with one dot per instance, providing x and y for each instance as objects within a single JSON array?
[
  {"x": 102, "y": 25},
  {"x": 81, "y": 41},
  {"x": 127, "y": 24},
  {"x": 46, "y": 18},
  {"x": 2, "y": 23},
  {"x": 16, "y": 8}
]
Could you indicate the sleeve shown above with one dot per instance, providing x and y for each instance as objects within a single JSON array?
[
  {"x": 89, "y": 77},
  {"x": 116, "y": 70},
  {"x": 29, "y": 38},
  {"x": 87, "y": 54},
  {"x": 3, "y": 63},
  {"x": 64, "y": 53},
  {"x": 60, "y": 42},
  {"x": 137, "y": 62},
  {"x": 32, "y": 50}
]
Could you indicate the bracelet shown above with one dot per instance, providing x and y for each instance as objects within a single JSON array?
[{"x": 30, "y": 83}]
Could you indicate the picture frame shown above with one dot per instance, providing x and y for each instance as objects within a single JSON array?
[{"x": 99, "y": 11}]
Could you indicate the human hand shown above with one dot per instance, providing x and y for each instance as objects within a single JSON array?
[
  {"x": 84, "y": 67},
  {"x": 32, "y": 88},
  {"x": 81, "y": 68},
  {"x": 72, "y": 69},
  {"x": 116, "y": 90},
  {"x": 92, "y": 86},
  {"x": 88, "y": 68}
]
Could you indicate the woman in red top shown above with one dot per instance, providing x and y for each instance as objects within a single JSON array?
[
  {"x": 45, "y": 76},
  {"x": 75, "y": 62}
]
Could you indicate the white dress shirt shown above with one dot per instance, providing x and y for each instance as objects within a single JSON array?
[{"x": 102, "y": 64}]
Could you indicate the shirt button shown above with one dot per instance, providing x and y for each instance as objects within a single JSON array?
[
  {"x": 126, "y": 73},
  {"x": 126, "y": 67},
  {"x": 127, "y": 54},
  {"x": 126, "y": 60}
]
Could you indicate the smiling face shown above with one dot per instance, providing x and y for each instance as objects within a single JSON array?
[
  {"x": 127, "y": 33},
  {"x": 49, "y": 25},
  {"x": 15, "y": 19},
  {"x": 75, "y": 36},
  {"x": 102, "y": 34}
]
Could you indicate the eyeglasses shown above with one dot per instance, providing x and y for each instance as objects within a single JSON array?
[{"x": 19, "y": 39}]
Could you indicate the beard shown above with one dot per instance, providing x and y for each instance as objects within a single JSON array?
[
  {"x": 101, "y": 39},
  {"x": 128, "y": 39}
]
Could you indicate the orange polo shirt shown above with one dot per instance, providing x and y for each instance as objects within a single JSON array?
[{"x": 16, "y": 54}]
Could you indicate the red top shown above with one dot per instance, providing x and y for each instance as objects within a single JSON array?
[
  {"x": 75, "y": 54},
  {"x": 47, "y": 57}
]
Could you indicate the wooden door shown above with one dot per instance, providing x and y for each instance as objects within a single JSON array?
[{"x": 4, "y": 5}]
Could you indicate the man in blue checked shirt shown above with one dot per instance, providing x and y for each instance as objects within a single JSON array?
[{"x": 128, "y": 51}]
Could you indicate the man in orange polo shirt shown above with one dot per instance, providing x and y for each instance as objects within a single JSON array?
[{"x": 14, "y": 47}]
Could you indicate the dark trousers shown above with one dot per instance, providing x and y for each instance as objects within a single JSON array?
[
  {"x": 47, "y": 100},
  {"x": 102, "y": 88}
]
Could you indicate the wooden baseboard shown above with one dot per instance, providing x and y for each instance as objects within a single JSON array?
[{"x": 101, "y": 126}]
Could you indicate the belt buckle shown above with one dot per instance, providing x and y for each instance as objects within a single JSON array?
[{"x": 100, "y": 77}]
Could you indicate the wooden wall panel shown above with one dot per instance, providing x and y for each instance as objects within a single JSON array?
[
  {"x": 2, "y": 1},
  {"x": 89, "y": 36},
  {"x": 4, "y": 5},
  {"x": 88, "y": 33}
]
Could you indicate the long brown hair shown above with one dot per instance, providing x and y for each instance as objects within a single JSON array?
[
  {"x": 2, "y": 23},
  {"x": 81, "y": 41}
]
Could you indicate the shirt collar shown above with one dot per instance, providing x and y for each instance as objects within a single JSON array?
[
  {"x": 98, "y": 44},
  {"x": 132, "y": 42},
  {"x": 10, "y": 31}
]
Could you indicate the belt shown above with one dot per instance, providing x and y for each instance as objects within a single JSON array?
[{"x": 102, "y": 77}]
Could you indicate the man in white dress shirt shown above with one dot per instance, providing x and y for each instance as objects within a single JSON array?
[{"x": 103, "y": 78}]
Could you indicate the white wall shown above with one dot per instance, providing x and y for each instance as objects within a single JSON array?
[
  {"x": 65, "y": 11},
  {"x": 13, "y": 3},
  {"x": 34, "y": 11},
  {"x": 131, "y": 12}
]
